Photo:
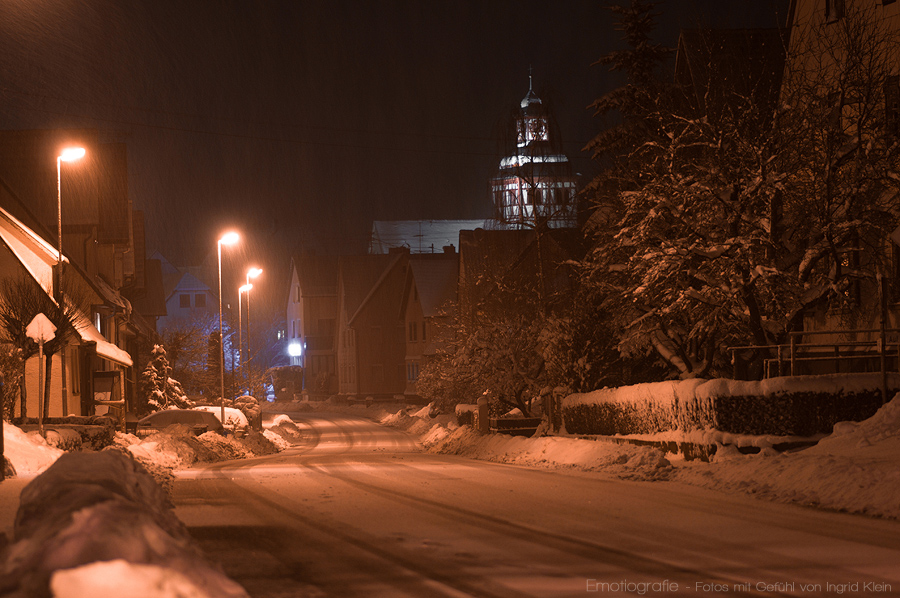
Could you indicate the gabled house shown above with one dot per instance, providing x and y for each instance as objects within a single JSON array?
[
  {"x": 89, "y": 375},
  {"x": 428, "y": 304},
  {"x": 357, "y": 277},
  {"x": 189, "y": 299},
  {"x": 378, "y": 332},
  {"x": 311, "y": 320},
  {"x": 348, "y": 318}
]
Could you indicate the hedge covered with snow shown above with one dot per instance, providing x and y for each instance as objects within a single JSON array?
[{"x": 789, "y": 406}]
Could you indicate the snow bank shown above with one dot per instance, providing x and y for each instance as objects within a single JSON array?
[
  {"x": 854, "y": 469},
  {"x": 625, "y": 461},
  {"x": 103, "y": 508},
  {"x": 28, "y": 453},
  {"x": 278, "y": 440},
  {"x": 124, "y": 580},
  {"x": 177, "y": 448}
]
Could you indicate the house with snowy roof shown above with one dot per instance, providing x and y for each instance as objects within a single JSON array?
[
  {"x": 89, "y": 373},
  {"x": 188, "y": 299}
]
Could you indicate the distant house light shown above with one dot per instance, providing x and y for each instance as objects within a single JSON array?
[{"x": 295, "y": 349}]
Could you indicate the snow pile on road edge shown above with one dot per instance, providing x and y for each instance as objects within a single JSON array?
[
  {"x": 855, "y": 469},
  {"x": 28, "y": 453}
]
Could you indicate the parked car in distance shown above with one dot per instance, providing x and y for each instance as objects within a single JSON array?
[{"x": 199, "y": 422}]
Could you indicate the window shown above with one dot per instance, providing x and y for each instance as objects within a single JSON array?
[
  {"x": 834, "y": 10},
  {"x": 412, "y": 331},
  {"x": 424, "y": 336},
  {"x": 297, "y": 294},
  {"x": 184, "y": 300},
  {"x": 200, "y": 300}
]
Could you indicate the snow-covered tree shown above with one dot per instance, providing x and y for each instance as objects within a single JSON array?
[
  {"x": 158, "y": 388},
  {"x": 743, "y": 215}
]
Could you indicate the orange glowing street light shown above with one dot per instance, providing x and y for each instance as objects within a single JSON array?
[
  {"x": 229, "y": 238},
  {"x": 251, "y": 273},
  {"x": 243, "y": 289},
  {"x": 69, "y": 154}
]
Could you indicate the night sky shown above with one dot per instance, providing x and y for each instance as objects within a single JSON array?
[{"x": 300, "y": 122}]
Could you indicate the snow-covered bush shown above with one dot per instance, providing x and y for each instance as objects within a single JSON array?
[{"x": 249, "y": 406}]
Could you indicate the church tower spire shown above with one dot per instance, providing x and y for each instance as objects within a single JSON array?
[{"x": 535, "y": 182}]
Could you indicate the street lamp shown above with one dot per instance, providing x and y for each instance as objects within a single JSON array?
[
  {"x": 244, "y": 289},
  {"x": 251, "y": 273},
  {"x": 69, "y": 154},
  {"x": 229, "y": 238}
]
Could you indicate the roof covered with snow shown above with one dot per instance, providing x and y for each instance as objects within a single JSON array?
[{"x": 420, "y": 236}]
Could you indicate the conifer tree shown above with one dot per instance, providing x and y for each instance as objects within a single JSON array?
[{"x": 158, "y": 388}]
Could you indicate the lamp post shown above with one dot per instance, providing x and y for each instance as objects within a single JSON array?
[
  {"x": 69, "y": 154},
  {"x": 251, "y": 273},
  {"x": 244, "y": 289},
  {"x": 229, "y": 238}
]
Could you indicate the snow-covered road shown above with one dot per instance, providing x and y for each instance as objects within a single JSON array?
[{"x": 357, "y": 510}]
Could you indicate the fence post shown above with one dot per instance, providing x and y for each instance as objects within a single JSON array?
[
  {"x": 780, "y": 362},
  {"x": 793, "y": 354},
  {"x": 883, "y": 339},
  {"x": 484, "y": 425}
]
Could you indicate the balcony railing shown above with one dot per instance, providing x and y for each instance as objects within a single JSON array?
[{"x": 797, "y": 358}]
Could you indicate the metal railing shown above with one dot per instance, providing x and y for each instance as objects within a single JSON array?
[{"x": 789, "y": 357}]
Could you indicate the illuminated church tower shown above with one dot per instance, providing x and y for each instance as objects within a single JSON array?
[{"x": 535, "y": 183}]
